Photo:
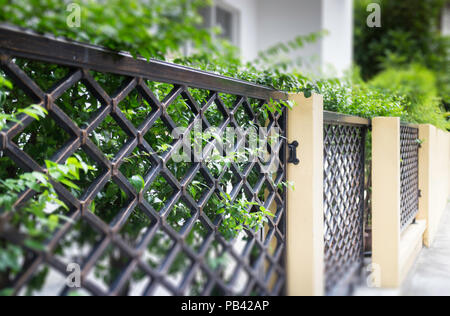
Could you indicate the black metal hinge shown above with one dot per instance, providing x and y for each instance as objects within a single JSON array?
[{"x": 293, "y": 153}]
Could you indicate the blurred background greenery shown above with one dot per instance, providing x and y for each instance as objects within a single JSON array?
[{"x": 408, "y": 55}]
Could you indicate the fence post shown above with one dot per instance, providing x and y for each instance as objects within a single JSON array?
[
  {"x": 394, "y": 251},
  {"x": 386, "y": 200},
  {"x": 305, "y": 241},
  {"x": 426, "y": 135},
  {"x": 441, "y": 163},
  {"x": 433, "y": 178}
]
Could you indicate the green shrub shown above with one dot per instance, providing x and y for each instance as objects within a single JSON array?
[
  {"x": 409, "y": 34},
  {"x": 419, "y": 86},
  {"x": 151, "y": 28},
  {"x": 361, "y": 100}
]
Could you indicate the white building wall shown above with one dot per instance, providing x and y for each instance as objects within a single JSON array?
[
  {"x": 284, "y": 20},
  {"x": 265, "y": 23},
  {"x": 446, "y": 20},
  {"x": 337, "y": 47},
  {"x": 247, "y": 26}
]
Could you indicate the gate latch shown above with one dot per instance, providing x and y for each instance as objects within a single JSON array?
[{"x": 293, "y": 153}]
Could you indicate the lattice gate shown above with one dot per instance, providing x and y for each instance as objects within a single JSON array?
[
  {"x": 344, "y": 192},
  {"x": 409, "y": 174},
  {"x": 165, "y": 239}
]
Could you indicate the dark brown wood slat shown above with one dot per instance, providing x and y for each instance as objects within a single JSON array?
[
  {"x": 343, "y": 119},
  {"x": 31, "y": 45}
]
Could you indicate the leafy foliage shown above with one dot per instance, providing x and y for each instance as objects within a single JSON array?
[
  {"x": 30, "y": 224},
  {"x": 418, "y": 85},
  {"x": 360, "y": 99},
  {"x": 4, "y": 84},
  {"x": 409, "y": 35},
  {"x": 34, "y": 111},
  {"x": 240, "y": 215},
  {"x": 151, "y": 28}
]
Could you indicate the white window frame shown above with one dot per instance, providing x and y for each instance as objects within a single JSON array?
[
  {"x": 446, "y": 20},
  {"x": 236, "y": 19}
]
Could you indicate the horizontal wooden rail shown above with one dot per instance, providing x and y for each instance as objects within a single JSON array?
[
  {"x": 344, "y": 119},
  {"x": 27, "y": 44}
]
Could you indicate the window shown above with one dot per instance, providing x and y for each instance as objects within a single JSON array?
[
  {"x": 223, "y": 17},
  {"x": 446, "y": 20}
]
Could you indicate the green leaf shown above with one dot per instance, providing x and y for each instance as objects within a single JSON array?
[
  {"x": 93, "y": 207},
  {"x": 5, "y": 83},
  {"x": 35, "y": 111},
  {"x": 76, "y": 293},
  {"x": 60, "y": 203},
  {"x": 137, "y": 182},
  {"x": 42, "y": 178},
  {"x": 7, "y": 292},
  {"x": 53, "y": 221},
  {"x": 70, "y": 184},
  {"x": 33, "y": 244}
]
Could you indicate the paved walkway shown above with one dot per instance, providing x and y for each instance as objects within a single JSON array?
[{"x": 430, "y": 275}]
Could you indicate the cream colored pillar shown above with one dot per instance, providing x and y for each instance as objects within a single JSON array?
[
  {"x": 386, "y": 199},
  {"x": 305, "y": 241},
  {"x": 393, "y": 251},
  {"x": 440, "y": 164},
  {"x": 433, "y": 178},
  {"x": 426, "y": 135}
]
